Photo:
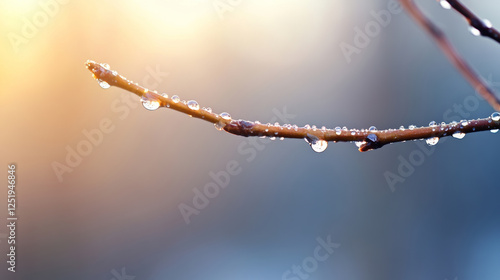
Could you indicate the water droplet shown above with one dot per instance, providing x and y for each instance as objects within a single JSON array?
[
  {"x": 433, "y": 123},
  {"x": 411, "y": 127},
  {"x": 225, "y": 116},
  {"x": 474, "y": 31},
  {"x": 372, "y": 128},
  {"x": 164, "y": 95},
  {"x": 175, "y": 99},
  {"x": 494, "y": 130},
  {"x": 105, "y": 66},
  {"x": 487, "y": 23},
  {"x": 149, "y": 102},
  {"x": 464, "y": 123},
  {"x": 445, "y": 4},
  {"x": 432, "y": 141},
  {"x": 359, "y": 143},
  {"x": 282, "y": 138},
  {"x": 402, "y": 128},
  {"x": 338, "y": 131},
  {"x": 103, "y": 84},
  {"x": 323, "y": 128},
  {"x": 372, "y": 138},
  {"x": 193, "y": 105},
  {"x": 495, "y": 116},
  {"x": 318, "y": 145},
  {"x": 307, "y": 126},
  {"x": 219, "y": 125},
  {"x": 458, "y": 135},
  {"x": 295, "y": 127},
  {"x": 184, "y": 102},
  {"x": 208, "y": 109},
  {"x": 272, "y": 138},
  {"x": 276, "y": 124}
]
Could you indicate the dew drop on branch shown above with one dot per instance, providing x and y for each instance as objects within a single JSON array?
[
  {"x": 458, "y": 135},
  {"x": 474, "y": 31},
  {"x": 225, "y": 116},
  {"x": 175, "y": 99},
  {"x": 445, "y": 4},
  {"x": 494, "y": 130},
  {"x": 495, "y": 116},
  {"x": 432, "y": 141},
  {"x": 103, "y": 84},
  {"x": 193, "y": 105},
  {"x": 487, "y": 23},
  {"x": 149, "y": 102},
  {"x": 338, "y": 130},
  {"x": 219, "y": 125},
  {"x": 318, "y": 145}
]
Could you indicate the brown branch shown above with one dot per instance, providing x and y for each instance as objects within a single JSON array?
[
  {"x": 484, "y": 29},
  {"x": 366, "y": 139}
]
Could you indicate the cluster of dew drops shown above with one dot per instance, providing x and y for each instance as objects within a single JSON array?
[
  {"x": 151, "y": 103},
  {"x": 474, "y": 31},
  {"x": 495, "y": 117}
]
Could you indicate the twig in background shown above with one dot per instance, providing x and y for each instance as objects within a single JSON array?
[{"x": 481, "y": 27}]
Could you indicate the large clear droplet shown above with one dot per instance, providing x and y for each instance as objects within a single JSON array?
[
  {"x": 175, "y": 99},
  {"x": 149, "y": 102},
  {"x": 225, "y": 116},
  {"x": 105, "y": 66},
  {"x": 495, "y": 116},
  {"x": 432, "y": 141},
  {"x": 445, "y": 4},
  {"x": 474, "y": 31},
  {"x": 318, "y": 145},
  {"x": 372, "y": 128},
  {"x": 193, "y": 105},
  {"x": 433, "y": 123},
  {"x": 103, "y": 84},
  {"x": 458, "y": 135}
]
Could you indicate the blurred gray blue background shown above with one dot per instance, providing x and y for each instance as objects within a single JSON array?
[{"x": 116, "y": 214}]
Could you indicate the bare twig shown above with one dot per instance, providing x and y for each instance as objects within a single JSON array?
[
  {"x": 366, "y": 139},
  {"x": 483, "y": 27}
]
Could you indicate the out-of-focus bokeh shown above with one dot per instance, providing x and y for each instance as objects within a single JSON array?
[{"x": 108, "y": 190}]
